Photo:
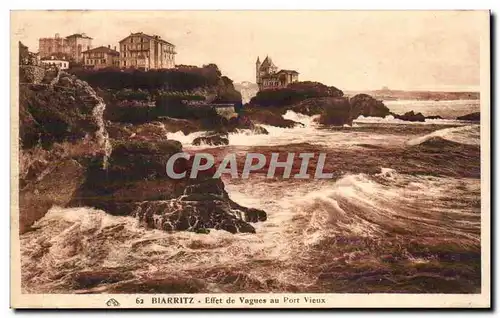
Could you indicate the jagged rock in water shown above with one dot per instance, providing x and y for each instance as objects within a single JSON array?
[
  {"x": 267, "y": 117},
  {"x": 434, "y": 117},
  {"x": 411, "y": 116},
  {"x": 259, "y": 130},
  {"x": 61, "y": 131},
  {"x": 366, "y": 105},
  {"x": 471, "y": 117},
  {"x": 213, "y": 140},
  {"x": 336, "y": 112}
]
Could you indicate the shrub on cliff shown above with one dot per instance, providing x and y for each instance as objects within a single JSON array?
[
  {"x": 294, "y": 93},
  {"x": 178, "y": 79}
]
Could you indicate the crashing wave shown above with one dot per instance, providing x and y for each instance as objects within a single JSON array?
[
  {"x": 468, "y": 135},
  {"x": 389, "y": 119}
]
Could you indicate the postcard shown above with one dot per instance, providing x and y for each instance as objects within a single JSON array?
[{"x": 250, "y": 159}]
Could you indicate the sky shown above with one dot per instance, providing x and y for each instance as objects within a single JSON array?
[{"x": 352, "y": 50}]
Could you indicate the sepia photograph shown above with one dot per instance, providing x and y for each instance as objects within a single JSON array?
[{"x": 262, "y": 159}]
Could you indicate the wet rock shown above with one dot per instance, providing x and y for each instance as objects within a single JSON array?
[
  {"x": 471, "y": 117},
  {"x": 213, "y": 140},
  {"x": 136, "y": 184},
  {"x": 366, "y": 105},
  {"x": 411, "y": 116},
  {"x": 192, "y": 213},
  {"x": 56, "y": 186},
  {"x": 268, "y": 117},
  {"x": 259, "y": 130}
]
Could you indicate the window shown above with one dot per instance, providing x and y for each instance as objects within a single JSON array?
[
  {"x": 124, "y": 47},
  {"x": 103, "y": 61},
  {"x": 131, "y": 40},
  {"x": 124, "y": 63}
]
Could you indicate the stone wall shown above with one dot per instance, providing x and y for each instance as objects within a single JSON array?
[{"x": 31, "y": 74}]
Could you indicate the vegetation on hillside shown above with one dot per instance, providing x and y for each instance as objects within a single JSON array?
[{"x": 294, "y": 93}]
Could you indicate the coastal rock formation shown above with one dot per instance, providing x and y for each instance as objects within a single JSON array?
[
  {"x": 336, "y": 112},
  {"x": 136, "y": 184},
  {"x": 411, "y": 116},
  {"x": 60, "y": 130},
  {"x": 212, "y": 139},
  {"x": 365, "y": 105},
  {"x": 269, "y": 117},
  {"x": 471, "y": 117},
  {"x": 68, "y": 158}
]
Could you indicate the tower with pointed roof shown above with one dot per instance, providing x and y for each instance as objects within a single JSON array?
[{"x": 267, "y": 75}]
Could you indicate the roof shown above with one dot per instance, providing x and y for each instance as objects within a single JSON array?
[
  {"x": 78, "y": 35},
  {"x": 267, "y": 62},
  {"x": 288, "y": 71},
  {"x": 102, "y": 49},
  {"x": 151, "y": 37}
]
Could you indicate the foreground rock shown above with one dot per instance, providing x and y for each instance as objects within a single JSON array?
[
  {"x": 471, "y": 117},
  {"x": 136, "y": 184},
  {"x": 336, "y": 112},
  {"x": 365, "y": 105}
]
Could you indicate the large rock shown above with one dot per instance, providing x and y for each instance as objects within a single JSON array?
[
  {"x": 135, "y": 184},
  {"x": 55, "y": 187},
  {"x": 334, "y": 111},
  {"x": 269, "y": 117},
  {"x": 471, "y": 117},
  {"x": 365, "y": 105},
  {"x": 411, "y": 116}
]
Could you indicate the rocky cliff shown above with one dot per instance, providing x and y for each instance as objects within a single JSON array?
[{"x": 68, "y": 158}]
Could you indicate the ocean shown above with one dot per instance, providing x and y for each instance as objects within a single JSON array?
[{"x": 402, "y": 214}]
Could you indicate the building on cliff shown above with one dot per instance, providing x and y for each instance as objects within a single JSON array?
[
  {"x": 268, "y": 76},
  {"x": 55, "y": 63},
  {"x": 101, "y": 57},
  {"x": 146, "y": 52},
  {"x": 70, "y": 47}
]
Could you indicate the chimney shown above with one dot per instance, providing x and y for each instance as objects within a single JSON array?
[
  {"x": 114, "y": 48},
  {"x": 109, "y": 46}
]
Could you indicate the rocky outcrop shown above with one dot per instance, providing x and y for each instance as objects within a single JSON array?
[
  {"x": 471, "y": 117},
  {"x": 365, "y": 105},
  {"x": 269, "y": 117},
  {"x": 411, "y": 116},
  {"x": 56, "y": 185},
  {"x": 336, "y": 112},
  {"x": 212, "y": 140},
  {"x": 31, "y": 74},
  {"x": 67, "y": 159},
  {"x": 61, "y": 130},
  {"x": 136, "y": 184}
]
